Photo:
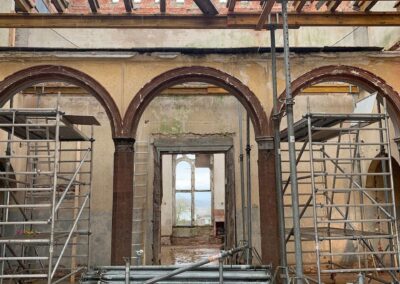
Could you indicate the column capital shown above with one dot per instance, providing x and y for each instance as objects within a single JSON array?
[
  {"x": 124, "y": 144},
  {"x": 265, "y": 142}
]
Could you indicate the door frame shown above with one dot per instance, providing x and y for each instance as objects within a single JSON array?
[{"x": 212, "y": 144}]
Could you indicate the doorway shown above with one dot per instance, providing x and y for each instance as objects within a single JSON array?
[{"x": 194, "y": 202}]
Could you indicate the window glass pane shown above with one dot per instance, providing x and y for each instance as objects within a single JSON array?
[
  {"x": 202, "y": 205},
  {"x": 202, "y": 179},
  {"x": 183, "y": 209},
  {"x": 183, "y": 179}
]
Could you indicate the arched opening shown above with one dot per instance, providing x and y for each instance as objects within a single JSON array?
[
  {"x": 331, "y": 92},
  {"x": 77, "y": 94},
  {"x": 155, "y": 91}
]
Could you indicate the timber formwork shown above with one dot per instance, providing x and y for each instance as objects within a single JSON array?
[
  {"x": 45, "y": 186},
  {"x": 348, "y": 224}
]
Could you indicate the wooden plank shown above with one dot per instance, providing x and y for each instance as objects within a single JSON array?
[
  {"x": 231, "y": 5},
  {"x": 207, "y": 7},
  {"x": 368, "y": 5},
  {"x": 332, "y": 5},
  {"x": 25, "y": 6},
  {"x": 234, "y": 21},
  {"x": 94, "y": 5},
  {"x": 163, "y": 6},
  {"x": 266, "y": 11},
  {"x": 298, "y": 5},
  {"x": 128, "y": 6}
]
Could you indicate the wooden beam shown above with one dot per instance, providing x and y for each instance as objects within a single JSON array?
[
  {"x": 266, "y": 11},
  {"x": 163, "y": 6},
  {"x": 25, "y": 6},
  {"x": 299, "y": 5},
  {"x": 231, "y": 5},
  {"x": 193, "y": 90},
  {"x": 395, "y": 47},
  {"x": 234, "y": 21},
  {"x": 207, "y": 7},
  {"x": 128, "y": 5},
  {"x": 60, "y": 5},
  {"x": 94, "y": 5},
  {"x": 367, "y": 5},
  {"x": 397, "y": 4},
  {"x": 333, "y": 4}
]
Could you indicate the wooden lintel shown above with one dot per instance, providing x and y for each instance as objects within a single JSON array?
[
  {"x": 163, "y": 6},
  {"x": 266, "y": 11},
  {"x": 298, "y": 5},
  {"x": 332, "y": 5},
  {"x": 231, "y": 5},
  {"x": 193, "y": 90},
  {"x": 25, "y": 6},
  {"x": 94, "y": 5},
  {"x": 234, "y": 21},
  {"x": 207, "y": 7}
]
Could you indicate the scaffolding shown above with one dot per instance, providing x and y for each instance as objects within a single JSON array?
[
  {"x": 347, "y": 212},
  {"x": 45, "y": 187}
]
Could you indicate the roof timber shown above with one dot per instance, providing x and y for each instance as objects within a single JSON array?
[
  {"x": 94, "y": 5},
  {"x": 206, "y": 6},
  {"x": 266, "y": 12},
  {"x": 234, "y": 21}
]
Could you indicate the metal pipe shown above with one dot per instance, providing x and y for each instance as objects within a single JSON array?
[
  {"x": 221, "y": 271},
  {"x": 278, "y": 166},
  {"x": 249, "y": 256},
  {"x": 127, "y": 270},
  {"x": 223, "y": 254},
  {"x": 292, "y": 149},
  {"x": 72, "y": 180},
  {"x": 242, "y": 193},
  {"x": 69, "y": 237}
]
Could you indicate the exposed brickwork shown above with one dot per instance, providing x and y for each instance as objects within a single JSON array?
[
  {"x": 151, "y": 7},
  {"x": 188, "y": 7}
]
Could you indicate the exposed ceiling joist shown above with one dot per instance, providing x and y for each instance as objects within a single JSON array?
[
  {"x": 60, "y": 5},
  {"x": 128, "y": 5},
  {"x": 367, "y": 5},
  {"x": 299, "y": 4},
  {"x": 24, "y": 5},
  {"x": 207, "y": 7},
  {"x": 266, "y": 11},
  {"x": 231, "y": 5},
  {"x": 333, "y": 4},
  {"x": 234, "y": 21},
  {"x": 94, "y": 5},
  {"x": 163, "y": 6}
]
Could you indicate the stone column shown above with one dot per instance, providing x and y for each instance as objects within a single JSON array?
[
  {"x": 121, "y": 245},
  {"x": 268, "y": 201}
]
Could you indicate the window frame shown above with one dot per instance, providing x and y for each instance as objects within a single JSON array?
[{"x": 192, "y": 190}]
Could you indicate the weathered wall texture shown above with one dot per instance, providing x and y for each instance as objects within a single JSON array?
[{"x": 123, "y": 74}]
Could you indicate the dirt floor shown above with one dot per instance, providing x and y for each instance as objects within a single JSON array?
[{"x": 176, "y": 254}]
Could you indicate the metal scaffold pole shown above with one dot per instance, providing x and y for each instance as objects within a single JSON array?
[
  {"x": 277, "y": 142},
  {"x": 292, "y": 149}
]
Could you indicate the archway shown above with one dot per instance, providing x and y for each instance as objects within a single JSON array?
[
  {"x": 347, "y": 74},
  {"x": 269, "y": 229},
  {"x": 22, "y": 79},
  {"x": 19, "y": 81}
]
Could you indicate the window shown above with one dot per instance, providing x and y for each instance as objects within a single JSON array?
[{"x": 193, "y": 189}]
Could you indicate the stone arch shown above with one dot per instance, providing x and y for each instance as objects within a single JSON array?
[
  {"x": 349, "y": 74},
  {"x": 196, "y": 74},
  {"x": 22, "y": 79}
]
